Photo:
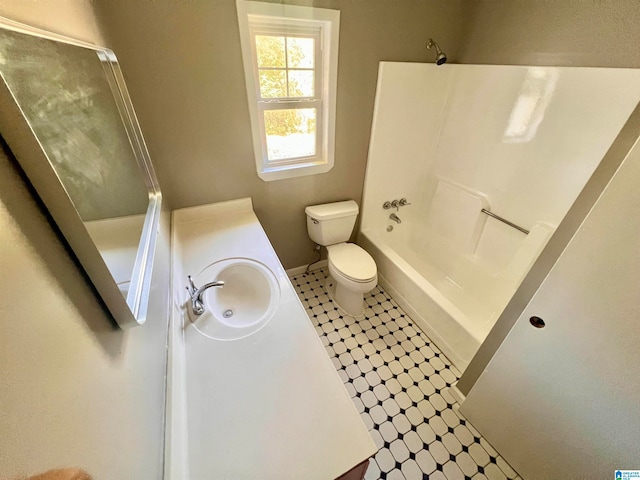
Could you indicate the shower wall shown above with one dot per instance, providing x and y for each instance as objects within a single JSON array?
[{"x": 526, "y": 137}]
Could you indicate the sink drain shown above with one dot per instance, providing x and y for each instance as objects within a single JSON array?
[{"x": 227, "y": 313}]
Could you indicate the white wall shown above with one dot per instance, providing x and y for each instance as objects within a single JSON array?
[{"x": 76, "y": 390}]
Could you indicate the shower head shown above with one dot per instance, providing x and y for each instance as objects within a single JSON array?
[{"x": 440, "y": 57}]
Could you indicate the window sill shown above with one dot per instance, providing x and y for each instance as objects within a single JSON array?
[{"x": 282, "y": 172}]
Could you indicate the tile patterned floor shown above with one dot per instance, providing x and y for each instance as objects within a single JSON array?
[{"x": 398, "y": 381}]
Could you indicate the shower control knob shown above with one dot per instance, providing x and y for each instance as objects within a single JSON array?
[
  {"x": 386, "y": 205},
  {"x": 403, "y": 202}
]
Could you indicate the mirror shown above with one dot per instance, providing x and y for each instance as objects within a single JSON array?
[{"x": 67, "y": 117}]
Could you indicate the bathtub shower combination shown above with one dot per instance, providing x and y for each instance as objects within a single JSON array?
[{"x": 470, "y": 170}]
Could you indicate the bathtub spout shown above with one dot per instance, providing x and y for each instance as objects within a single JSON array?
[{"x": 395, "y": 218}]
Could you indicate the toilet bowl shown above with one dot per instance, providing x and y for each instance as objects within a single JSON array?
[
  {"x": 352, "y": 270},
  {"x": 355, "y": 274}
]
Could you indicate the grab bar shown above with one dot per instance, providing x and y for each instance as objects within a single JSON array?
[{"x": 505, "y": 221}]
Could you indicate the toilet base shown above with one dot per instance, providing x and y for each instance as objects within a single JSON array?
[{"x": 347, "y": 301}]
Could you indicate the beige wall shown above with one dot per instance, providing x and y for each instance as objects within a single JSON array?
[
  {"x": 183, "y": 65},
  {"x": 75, "y": 389},
  {"x": 582, "y": 33},
  {"x": 553, "y": 32},
  {"x": 74, "y": 18}
]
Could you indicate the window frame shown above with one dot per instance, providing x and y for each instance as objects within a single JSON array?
[
  {"x": 259, "y": 18},
  {"x": 286, "y": 103}
]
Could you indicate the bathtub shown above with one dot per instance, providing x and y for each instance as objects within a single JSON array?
[
  {"x": 455, "y": 142},
  {"x": 454, "y": 297}
]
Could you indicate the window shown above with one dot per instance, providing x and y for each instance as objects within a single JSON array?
[{"x": 290, "y": 58}]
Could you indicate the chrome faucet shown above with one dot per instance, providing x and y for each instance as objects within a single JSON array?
[
  {"x": 395, "y": 204},
  {"x": 395, "y": 218},
  {"x": 197, "y": 304}
]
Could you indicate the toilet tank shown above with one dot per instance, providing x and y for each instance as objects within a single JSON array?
[{"x": 331, "y": 223}]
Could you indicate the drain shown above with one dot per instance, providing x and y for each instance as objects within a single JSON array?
[{"x": 227, "y": 313}]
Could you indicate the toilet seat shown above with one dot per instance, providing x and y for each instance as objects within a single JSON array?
[{"x": 353, "y": 262}]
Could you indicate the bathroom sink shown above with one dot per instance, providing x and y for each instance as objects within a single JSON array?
[{"x": 244, "y": 305}]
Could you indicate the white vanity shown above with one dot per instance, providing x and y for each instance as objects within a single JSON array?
[{"x": 266, "y": 403}]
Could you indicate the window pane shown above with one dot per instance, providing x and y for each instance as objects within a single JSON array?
[
  {"x": 273, "y": 83},
  {"x": 301, "y": 83},
  {"x": 270, "y": 51},
  {"x": 290, "y": 133},
  {"x": 300, "y": 52}
]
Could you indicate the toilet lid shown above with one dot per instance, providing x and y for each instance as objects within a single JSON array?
[{"x": 352, "y": 261}]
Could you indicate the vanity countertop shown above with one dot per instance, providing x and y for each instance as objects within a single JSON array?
[{"x": 269, "y": 406}]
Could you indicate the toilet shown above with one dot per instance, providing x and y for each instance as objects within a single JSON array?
[{"x": 352, "y": 268}]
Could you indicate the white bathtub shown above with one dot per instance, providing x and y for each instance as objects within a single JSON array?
[
  {"x": 517, "y": 141},
  {"x": 455, "y": 298}
]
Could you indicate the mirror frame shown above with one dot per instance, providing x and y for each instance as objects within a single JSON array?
[{"x": 27, "y": 149}]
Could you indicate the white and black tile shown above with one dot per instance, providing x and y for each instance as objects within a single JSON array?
[{"x": 398, "y": 381}]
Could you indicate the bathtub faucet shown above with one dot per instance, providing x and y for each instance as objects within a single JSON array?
[
  {"x": 197, "y": 304},
  {"x": 395, "y": 218},
  {"x": 395, "y": 204}
]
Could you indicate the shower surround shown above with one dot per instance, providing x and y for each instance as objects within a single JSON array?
[{"x": 517, "y": 141}]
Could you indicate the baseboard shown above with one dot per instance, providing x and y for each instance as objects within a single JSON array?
[
  {"x": 292, "y": 272},
  {"x": 457, "y": 394}
]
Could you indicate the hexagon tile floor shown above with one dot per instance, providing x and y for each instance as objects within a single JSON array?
[{"x": 398, "y": 381}]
